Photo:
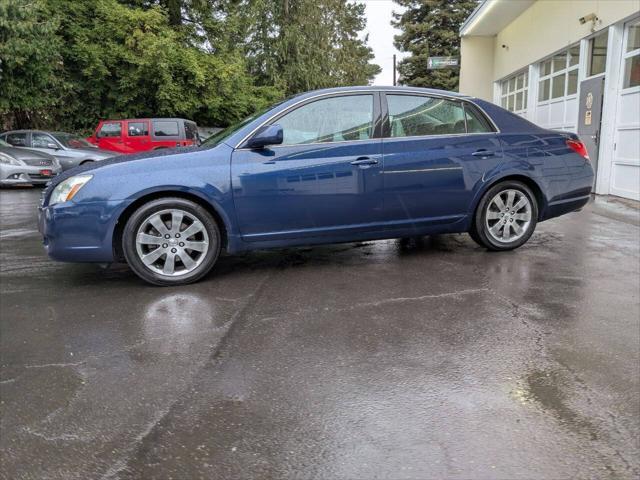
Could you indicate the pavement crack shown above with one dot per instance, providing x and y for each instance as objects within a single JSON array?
[
  {"x": 419, "y": 298},
  {"x": 120, "y": 465},
  {"x": 56, "y": 365}
]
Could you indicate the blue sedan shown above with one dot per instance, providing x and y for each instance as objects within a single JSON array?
[{"x": 335, "y": 165}]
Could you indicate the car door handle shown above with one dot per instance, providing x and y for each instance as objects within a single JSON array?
[
  {"x": 483, "y": 153},
  {"x": 365, "y": 161}
]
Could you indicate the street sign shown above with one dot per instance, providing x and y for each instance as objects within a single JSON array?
[{"x": 436, "y": 63}]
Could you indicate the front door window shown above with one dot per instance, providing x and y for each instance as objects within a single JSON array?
[
  {"x": 335, "y": 119},
  {"x": 41, "y": 140}
]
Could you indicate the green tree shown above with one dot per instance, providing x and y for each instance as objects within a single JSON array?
[
  {"x": 30, "y": 62},
  {"x": 430, "y": 28},
  {"x": 306, "y": 44}
]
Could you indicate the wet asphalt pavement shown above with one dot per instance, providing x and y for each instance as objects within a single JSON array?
[{"x": 432, "y": 359}]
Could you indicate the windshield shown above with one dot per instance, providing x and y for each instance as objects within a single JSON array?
[
  {"x": 3, "y": 143},
  {"x": 72, "y": 141},
  {"x": 225, "y": 133}
]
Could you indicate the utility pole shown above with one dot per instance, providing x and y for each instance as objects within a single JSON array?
[{"x": 394, "y": 69}]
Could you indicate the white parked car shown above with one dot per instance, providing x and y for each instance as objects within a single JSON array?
[{"x": 20, "y": 166}]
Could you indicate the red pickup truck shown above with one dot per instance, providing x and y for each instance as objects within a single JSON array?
[{"x": 140, "y": 134}]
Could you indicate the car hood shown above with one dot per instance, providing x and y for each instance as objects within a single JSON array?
[
  {"x": 25, "y": 153},
  {"x": 88, "y": 167}
]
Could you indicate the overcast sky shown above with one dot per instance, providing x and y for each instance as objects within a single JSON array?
[{"x": 381, "y": 34}]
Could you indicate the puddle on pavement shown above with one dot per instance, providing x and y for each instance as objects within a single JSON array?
[{"x": 547, "y": 389}]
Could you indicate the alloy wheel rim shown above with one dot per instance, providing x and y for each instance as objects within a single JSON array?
[
  {"x": 172, "y": 242},
  {"x": 508, "y": 216}
]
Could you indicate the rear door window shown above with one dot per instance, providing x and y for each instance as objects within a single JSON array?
[
  {"x": 411, "y": 116},
  {"x": 16, "y": 139},
  {"x": 476, "y": 122},
  {"x": 166, "y": 128},
  {"x": 110, "y": 129},
  {"x": 138, "y": 129}
]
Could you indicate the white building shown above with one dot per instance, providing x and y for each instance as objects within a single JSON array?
[{"x": 556, "y": 63}]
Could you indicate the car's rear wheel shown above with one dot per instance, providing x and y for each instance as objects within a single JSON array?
[
  {"x": 506, "y": 216},
  {"x": 171, "y": 241}
]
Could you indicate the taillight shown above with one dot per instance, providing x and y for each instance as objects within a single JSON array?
[{"x": 578, "y": 147}]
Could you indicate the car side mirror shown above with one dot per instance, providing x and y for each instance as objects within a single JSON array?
[
  {"x": 266, "y": 135},
  {"x": 53, "y": 146}
]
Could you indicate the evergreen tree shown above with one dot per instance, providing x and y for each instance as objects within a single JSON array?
[
  {"x": 307, "y": 44},
  {"x": 430, "y": 28}
]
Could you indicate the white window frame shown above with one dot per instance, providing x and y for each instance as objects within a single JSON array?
[
  {"x": 505, "y": 94},
  {"x": 565, "y": 71},
  {"x": 626, "y": 55}
]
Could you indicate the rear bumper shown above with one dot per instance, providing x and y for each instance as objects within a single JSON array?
[{"x": 81, "y": 232}]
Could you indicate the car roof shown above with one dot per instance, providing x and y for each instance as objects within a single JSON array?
[
  {"x": 147, "y": 118},
  {"x": 381, "y": 88}
]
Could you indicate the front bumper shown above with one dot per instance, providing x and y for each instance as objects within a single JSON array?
[
  {"x": 80, "y": 232},
  {"x": 27, "y": 175}
]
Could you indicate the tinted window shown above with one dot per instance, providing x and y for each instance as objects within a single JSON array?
[
  {"x": 16, "y": 139},
  {"x": 412, "y": 115},
  {"x": 191, "y": 131},
  {"x": 333, "y": 119},
  {"x": 476, "y": 123},
  {"x": 111, "y": 129},
  {"x": 165, "y": 129},
  {"x": 41, "y": 140},
  {"x": 138, "y": 129}
]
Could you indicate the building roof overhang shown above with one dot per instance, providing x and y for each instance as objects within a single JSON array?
[{"x": 491, "y": 16}]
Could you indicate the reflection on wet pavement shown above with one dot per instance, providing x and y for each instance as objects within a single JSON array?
[{"x": 423, "y": 358}]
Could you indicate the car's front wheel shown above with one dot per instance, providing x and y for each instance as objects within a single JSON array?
[
  {"x": 506, "y": 216},
  {"x": 171, "y": 241}
]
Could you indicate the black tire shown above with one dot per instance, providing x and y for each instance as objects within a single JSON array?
[
  {"x": 142, "y": 214},
  {"x": 85, "y": 162},
  {"x": 480, "y": 229}
]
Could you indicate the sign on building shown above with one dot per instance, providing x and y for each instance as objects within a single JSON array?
[{"x": 436, "y": 63}]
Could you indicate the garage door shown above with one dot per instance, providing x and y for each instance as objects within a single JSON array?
[{"x": 625, "y": 172}]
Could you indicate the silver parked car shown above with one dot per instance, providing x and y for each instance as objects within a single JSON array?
[
  {"x": 19, "y": 166},
  {"x": 70, "y": 150}
]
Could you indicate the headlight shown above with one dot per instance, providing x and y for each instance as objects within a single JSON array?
[
  {"x": 67, "y": 189},
  {"x": 7, "y": 160}
]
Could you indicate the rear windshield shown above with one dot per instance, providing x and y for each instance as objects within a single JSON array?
[{"x": 191, "y": 131}]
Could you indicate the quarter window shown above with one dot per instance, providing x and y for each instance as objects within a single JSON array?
[
  {"x": 138, "y": 129},
  {"x": 632, "y": 56},
  {"x": 514, "y": 93},
  {"x": 332, "y": 119},
  {"x": 110, "y": 129},
  {"x": 559, "y": 75},
  {"x": 416, "y": 116},
  {"x": 165, "y": 129}
]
